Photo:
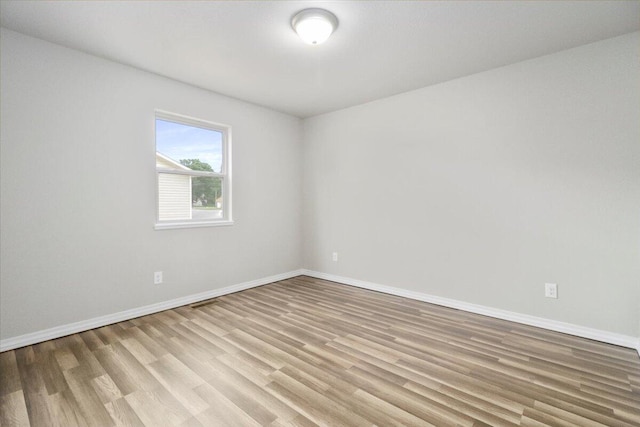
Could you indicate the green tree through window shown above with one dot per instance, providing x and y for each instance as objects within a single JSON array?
[{"x": 203, "y": 189}]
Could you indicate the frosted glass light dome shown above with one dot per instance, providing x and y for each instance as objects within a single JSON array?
[{"x": 314, "y": 26}]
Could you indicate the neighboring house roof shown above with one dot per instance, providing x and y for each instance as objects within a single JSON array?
[{"x": 168, "y": 163}]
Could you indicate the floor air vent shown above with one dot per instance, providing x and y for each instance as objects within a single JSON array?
[{"x": 203, "y": 303}]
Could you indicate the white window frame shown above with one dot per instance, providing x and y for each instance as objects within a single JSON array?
[{"x": 225, "y": 173}]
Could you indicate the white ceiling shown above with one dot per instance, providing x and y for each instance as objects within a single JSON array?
[{"x": 248, "y": 50}]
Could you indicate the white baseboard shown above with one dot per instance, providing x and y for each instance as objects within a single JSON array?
[
  {"x": 96, "y": 322},
  {"x": 553, "y": 325}
]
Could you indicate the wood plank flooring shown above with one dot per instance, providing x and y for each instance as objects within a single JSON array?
[{"x": 305, "y": 352}]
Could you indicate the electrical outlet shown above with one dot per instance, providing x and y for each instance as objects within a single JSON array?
[
  {"x": 157, "y": 277},
  {"x": 551, "y": 290},
  {"x": 335, "y": 256}
]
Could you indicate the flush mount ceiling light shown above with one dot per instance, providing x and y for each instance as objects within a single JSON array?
[{"x": 314, "y": 26}]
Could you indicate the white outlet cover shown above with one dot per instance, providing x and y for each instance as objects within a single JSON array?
[{"x": 551, "y": 290}]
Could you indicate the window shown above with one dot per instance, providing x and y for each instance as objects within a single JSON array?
[{"x": 193, "y": 168}]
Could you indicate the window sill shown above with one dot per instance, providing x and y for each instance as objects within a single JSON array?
[{"x": 191, "y": 224}]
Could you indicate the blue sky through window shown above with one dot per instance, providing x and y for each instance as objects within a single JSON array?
[{"x": 179, "y": 142}]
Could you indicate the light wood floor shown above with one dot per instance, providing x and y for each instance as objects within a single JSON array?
[{"x": 305, "y": 352}]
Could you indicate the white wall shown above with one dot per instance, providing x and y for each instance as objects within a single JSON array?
[
  {"x": 78, "y": 190},
  {"x": 484, "y": 188},
  {"x": 480, "y": 189}
]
